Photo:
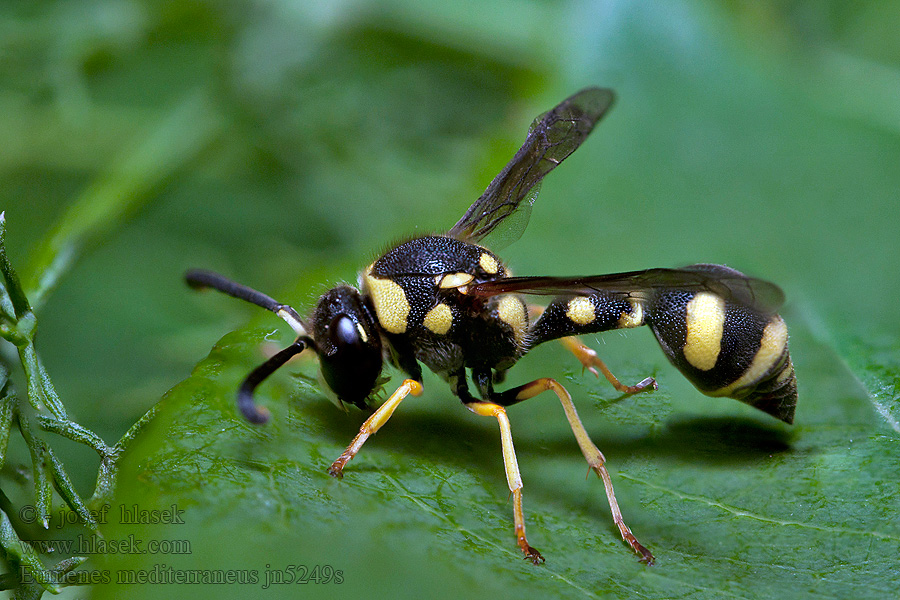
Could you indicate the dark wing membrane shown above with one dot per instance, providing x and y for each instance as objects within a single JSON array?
[
  {"x": 757, "y": 294},
  {"x": 553, "y": 136}
]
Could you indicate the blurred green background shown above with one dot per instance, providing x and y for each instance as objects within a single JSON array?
[{"x": 288, "y": 143}]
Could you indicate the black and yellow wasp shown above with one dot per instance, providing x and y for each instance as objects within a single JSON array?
[{"x": 447, "y": 302}]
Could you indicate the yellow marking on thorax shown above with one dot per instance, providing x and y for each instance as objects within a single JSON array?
[
  {"x": 489, "y": 263},
  {"x": 580, "y": 310},
  {"x": 705, "y": 321},
  {"x": 453, "y": 280},
  {"x": 511, "y": 311},
  {"x": 771, "y": 349},
  {"x": 633, "y": 319},
  {"x": 390, "y": 302},
  {"x": 439, "y": 319}
]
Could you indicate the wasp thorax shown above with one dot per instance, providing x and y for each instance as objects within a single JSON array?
[{"x": 348, "y": 343}]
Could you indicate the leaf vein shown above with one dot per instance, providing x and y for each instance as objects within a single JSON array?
[{"x": 740, "y": 512}]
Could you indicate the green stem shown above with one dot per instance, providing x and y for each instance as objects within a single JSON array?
[
  {"x": 75, "y": 432},
  {"x": 43, "y": 491},
  {"x": 13, "y": 287},
  {"x": 9, "y": 332},
  {"x": 23, "y": 555},
  {"x": 7, "y": 410},
  {"x": 41, "y": 393},
  {"x": 106, "y": 476},
  {"x": 135, "y": 429},
  {"x": 67, "y": 490}
]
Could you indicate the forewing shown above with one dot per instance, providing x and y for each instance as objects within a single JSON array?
[
  {"x": 757, "y": 294},
  {"x": 553, "y": 136}
]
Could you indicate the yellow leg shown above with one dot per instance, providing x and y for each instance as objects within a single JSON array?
[
  {"x": 374, "y": 423},
  {"x": 590, "y": 361},
  {"x": 591, "y": 453},
  {"x": 513, "y": 478}
]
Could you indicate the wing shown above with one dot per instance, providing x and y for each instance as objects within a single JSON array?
[
  {"x": 552, "y": 137},
  {"x": 732, "y": 285}
]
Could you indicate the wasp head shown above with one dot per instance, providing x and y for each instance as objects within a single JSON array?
[{"x": 349, "y": 346}]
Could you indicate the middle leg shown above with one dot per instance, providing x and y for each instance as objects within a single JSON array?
[
  {"x": 510, "y": 464},
  {"x": 513, "y": 478}
]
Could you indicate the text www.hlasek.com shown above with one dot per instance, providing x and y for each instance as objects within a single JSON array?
[{"x": 87, "y": 545}]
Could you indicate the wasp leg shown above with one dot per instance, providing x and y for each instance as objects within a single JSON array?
[
  {"x": 592, "y": 454},
  {"x": 513, "y": 478},
  {"x": 590, "y": 361},
  {"x": 374, "y": 423}
]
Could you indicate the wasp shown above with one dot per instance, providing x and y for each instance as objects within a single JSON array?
[{"x": 449, "y": 303}]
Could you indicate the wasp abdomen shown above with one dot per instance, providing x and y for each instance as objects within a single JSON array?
[{"x": 727, "y": 349}]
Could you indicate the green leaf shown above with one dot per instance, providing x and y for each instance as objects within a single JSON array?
[{"x": 730, "y": 500}]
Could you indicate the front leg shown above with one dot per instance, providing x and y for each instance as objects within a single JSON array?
[{"x": 374, "y": 423}]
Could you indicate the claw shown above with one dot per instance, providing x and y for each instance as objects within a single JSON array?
[
  {"x": 531, "y": 554},
  {"x": 336, "y": 469}
]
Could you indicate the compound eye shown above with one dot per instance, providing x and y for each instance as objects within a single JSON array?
[{"x": 344, "y": 333}]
